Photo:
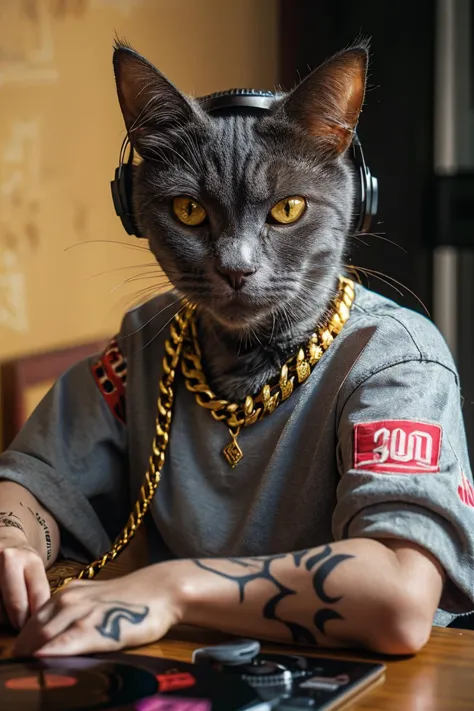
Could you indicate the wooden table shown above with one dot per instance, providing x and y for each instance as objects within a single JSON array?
[{"x": 440, "y": 678}]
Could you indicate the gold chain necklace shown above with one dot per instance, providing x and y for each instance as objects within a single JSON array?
[
  {"x": 67, "y": 571},
  {"x": 294, "y": 372},
  {"x": 298, "y": 367}
]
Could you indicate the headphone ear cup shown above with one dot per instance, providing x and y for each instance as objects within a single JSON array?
[
  {"x": 366, "y": 190},
  {"x": 372, "y": 201},
  {"x": 122, "y": 196},
  {"x": 359, "y": 200}
]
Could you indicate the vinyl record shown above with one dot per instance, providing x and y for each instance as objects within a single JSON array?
[{"x": 132, "y": 683}]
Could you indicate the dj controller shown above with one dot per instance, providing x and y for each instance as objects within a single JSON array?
[{"x": 229, "y": 677}]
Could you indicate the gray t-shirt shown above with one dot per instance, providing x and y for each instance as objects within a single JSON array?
[{"x": 371, "y": 445}]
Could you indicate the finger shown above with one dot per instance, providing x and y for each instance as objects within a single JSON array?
[
  {"x": 49, "y": 622},
  {"x": 37, "y": 586},
  {"x": 4, "y": 621},
  {"x": 13, "y": 590},
  {"x": 81, "y": 638}
]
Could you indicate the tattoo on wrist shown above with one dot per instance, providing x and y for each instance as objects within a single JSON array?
[
  {"x": 110, "y": 625},
  {"x": 320, "y": 565},
  {"x": 10, "y": 520}
]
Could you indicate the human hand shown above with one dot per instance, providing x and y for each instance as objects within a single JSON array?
[
  {"x": 24, "y": 587},
  {"x": 103, "y": 616}
]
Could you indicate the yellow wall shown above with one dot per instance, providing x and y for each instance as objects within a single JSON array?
[{"x": 60, "y": 133}]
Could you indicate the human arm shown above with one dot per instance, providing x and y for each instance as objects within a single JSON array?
[
  {"x": 71, "y": 454},
  {"x": 24, "y": 518},
  {"x": 405, "y": 471},
  {"x": 29, "y": 542},
  {"x": 356, "y": 593},
  {"x": 66, "y": 466}
]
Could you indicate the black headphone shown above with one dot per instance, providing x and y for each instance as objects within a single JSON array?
[{"x": 366, "y": 200}]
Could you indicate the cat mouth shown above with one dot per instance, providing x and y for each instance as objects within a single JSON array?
[{"x": 238, "y": 310}]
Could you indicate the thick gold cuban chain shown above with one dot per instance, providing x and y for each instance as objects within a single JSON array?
[
  {"x": 294, "y": 372},
  {"x": 66, "y": 572}
]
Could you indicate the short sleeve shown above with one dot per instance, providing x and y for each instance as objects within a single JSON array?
[
  {"x": 72, "y": 455},
  {"x": 404, "y": 469}
]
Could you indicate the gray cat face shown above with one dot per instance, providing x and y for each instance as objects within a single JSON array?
[{"x": 240, "y": 259}]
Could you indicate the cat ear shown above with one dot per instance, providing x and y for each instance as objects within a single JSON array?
[
  {"x": 328, "y": 102},
  {"x": 149, "y": 102}
]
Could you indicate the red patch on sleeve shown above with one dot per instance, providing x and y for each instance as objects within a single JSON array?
[
  {"x": 110, "y": 374},
  {"x": 397, "y": 446},
  {"x": 466, "y": 491}
]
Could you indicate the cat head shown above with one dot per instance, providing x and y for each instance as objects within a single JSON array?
[{"x": 248, "y": 215}]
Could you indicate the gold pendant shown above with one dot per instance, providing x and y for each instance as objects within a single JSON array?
[{"x": 232, "y": 451}]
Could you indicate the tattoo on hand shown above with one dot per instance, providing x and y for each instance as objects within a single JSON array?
[
  {"x": 320, "y": 564},
  {"x": 110, "y": 625}
]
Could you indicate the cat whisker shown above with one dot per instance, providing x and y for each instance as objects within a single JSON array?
[
  {"x": 361, "y": 241},
  {"x": 378, "y": 235},
  {"x": 385, "y": 281},
  {"x": 273, "y": 328},
  {"x": 163, "y": 327},
  {"x": 165, "y": 308},
  {"x": 128, "y": 301},
  {"x": 380, "y": 275},
  {"x": 149, "y": 291},
  {"x": 119, "y": 269},
  {"x": 107, "y": 241},
  {"x": 160, "y": 280}
]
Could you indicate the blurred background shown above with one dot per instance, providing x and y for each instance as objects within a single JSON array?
[{"x": 64, "y": 257}]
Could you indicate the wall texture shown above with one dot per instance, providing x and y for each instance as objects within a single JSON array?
[{"x": 60, "y": 133}]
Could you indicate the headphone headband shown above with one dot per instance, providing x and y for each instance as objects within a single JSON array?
[
  {"x": 237, "y": 99},
  {"x": 366, "y": 197}
]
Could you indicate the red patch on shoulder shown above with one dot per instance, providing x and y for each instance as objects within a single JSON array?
[
  {"x": 466, "y": 491},
  {"x": 397, "y": 447},
  {"x": 110, "y": 374}
]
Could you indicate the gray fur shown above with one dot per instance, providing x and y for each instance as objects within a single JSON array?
[{"x": 238, "y": 167}]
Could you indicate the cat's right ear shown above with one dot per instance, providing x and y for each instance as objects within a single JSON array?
[{"x": 149, "y": 101}]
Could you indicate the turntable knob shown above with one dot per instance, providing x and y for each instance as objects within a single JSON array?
[{"x": 266, "y": 673}]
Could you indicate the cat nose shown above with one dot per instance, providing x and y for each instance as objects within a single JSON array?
[{"x": 235, "y": 278}]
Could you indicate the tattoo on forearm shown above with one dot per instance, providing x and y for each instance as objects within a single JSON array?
[
  {"x": 110, "y": 625},
  {"x": 320, "y": 564},
  {"x": 47, "y": 534},
  {"x": 10, "y": 520}
]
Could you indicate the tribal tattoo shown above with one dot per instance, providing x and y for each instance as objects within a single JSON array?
[
  {"x": 320, "y": 565},
  {"x": 110, "y": 625}
]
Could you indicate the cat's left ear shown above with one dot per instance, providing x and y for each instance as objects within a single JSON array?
[
  {"x": 328, "y": 102},
  {"x": 150, "y": 103}
]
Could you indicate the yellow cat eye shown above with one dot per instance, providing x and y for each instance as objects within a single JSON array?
[
  {"x": 288, "y": 210},
  {"x": 188, "y": 211}
]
